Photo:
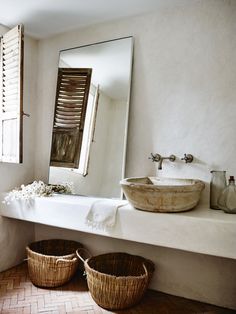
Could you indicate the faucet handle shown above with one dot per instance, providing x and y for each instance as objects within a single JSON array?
[
  {"x": 188, "y": 158},
  {"x": 155, "y": 157},
  {"x": 172, "y": 158}
]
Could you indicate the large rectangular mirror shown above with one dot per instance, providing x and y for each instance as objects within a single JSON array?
[{"x": 91, "y": 117}]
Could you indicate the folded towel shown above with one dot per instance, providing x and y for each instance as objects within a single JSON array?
[{"x": 102, "y": 214}]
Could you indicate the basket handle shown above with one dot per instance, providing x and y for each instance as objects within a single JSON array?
[
  {"x": 79, "y": 256},
  {"x": 66, "y": 260},
  {"x": 145, "y": 269}
]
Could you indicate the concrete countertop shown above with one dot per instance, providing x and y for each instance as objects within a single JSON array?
[{"x": 201, "y": 230}]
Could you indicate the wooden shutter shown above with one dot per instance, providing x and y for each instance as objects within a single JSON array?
[
  {"x": 70, "y": 109},
  {"x": 11, "y": 95}
]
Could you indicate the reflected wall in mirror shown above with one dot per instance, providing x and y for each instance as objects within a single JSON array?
[{"x": 91, "y": 117}]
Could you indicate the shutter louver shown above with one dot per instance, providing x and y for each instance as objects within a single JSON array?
[
  {"x": 70, "y": 109},
  {"x": 11, "y": 95}
]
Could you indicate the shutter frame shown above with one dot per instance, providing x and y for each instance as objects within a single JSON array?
[
  {"x": 11, "y": 95},
  {"x": 69, "y": 116}
]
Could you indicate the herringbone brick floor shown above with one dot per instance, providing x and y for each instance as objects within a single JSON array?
[{"x": 19, "y": 295}]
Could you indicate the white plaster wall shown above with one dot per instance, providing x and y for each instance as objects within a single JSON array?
[
  {"x": 182, "y": 93},
  {"x": 14, "y": 235},
  {"x": 183, "y": 101}
]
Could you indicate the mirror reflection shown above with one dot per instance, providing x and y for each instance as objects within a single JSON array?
[{"x": 91, "y": 117}]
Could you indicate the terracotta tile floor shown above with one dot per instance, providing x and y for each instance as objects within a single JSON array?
[{"x": 19, "y": 295}]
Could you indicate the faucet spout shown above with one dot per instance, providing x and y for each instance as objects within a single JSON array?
[
  {"x": 160, "y": 163},
  {"x": 158, "y": 158}
]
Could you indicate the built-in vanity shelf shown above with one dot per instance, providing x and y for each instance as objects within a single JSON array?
[{"x": 201, "y": 230}]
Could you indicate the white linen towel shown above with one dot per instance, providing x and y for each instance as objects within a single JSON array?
[{"x": 102, "y": 214}]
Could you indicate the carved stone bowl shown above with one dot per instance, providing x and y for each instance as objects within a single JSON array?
[{"x": 162, "y": 194}]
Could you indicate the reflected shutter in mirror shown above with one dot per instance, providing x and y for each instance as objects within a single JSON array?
[
  {"x": 70, "y": 109},
  {"x": 11, "y": 95}
]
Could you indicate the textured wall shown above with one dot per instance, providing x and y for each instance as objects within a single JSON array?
[
  {"x": 183, "y": 101},
  {"x": 14, "y": 234},
  {"x": 183, "y": 90}
]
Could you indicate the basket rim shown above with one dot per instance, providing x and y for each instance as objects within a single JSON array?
[
  {"x": 112, "y": 277},
  {"x": 139, "y": 277},
  {"x": 68, "y": 256},
  {"x": 122, "y": 253}
]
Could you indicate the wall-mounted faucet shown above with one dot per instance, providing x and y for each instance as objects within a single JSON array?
[{"x": 159, "y": 158}]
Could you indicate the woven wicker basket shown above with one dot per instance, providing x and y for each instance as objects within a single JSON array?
[
  {"x": 117, "y": 281},
  {"x": 51, "y": 263}
]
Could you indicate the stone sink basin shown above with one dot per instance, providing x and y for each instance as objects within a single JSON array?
[{"x": 162, "y": 194}]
